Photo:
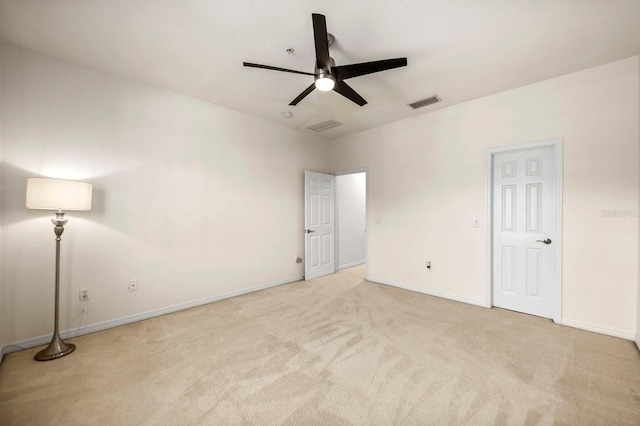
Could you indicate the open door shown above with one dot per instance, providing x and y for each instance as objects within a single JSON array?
[{"x": 319, "y": 205}]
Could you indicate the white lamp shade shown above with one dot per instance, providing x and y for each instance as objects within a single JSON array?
[{"x": 58, "y": 194}]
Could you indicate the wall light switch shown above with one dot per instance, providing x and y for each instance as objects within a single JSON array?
[
  {"x": 475, "y": 223},
  {"x": 378, "y": 220}
]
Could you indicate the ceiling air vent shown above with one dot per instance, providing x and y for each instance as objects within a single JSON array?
[
  {"x": 423, "y": 103},
  {"x": 321, "y": 127}
]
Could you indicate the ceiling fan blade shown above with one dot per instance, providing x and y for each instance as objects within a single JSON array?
[
  {"x": 345, "y": 90},
  {"x": 267, "y": 67},
  {"x": 302, "y": 95},
  {"x": 322, "y": 41},
  {"x": 355, "y": 70}
]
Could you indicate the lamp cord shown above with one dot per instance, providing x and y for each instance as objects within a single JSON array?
[{"x": 85, "y": 309}]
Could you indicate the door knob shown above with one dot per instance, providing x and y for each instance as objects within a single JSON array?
[
  {"x": 546, "y": 241},
  {"x": 308, "y": 231}
]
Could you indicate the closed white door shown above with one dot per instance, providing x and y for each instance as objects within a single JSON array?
[
  {"x": 524, "y": 230},
  {"x": 319, "y": 200}
]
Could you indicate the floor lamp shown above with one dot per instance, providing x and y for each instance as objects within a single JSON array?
[{"x": 58, "y": 195}]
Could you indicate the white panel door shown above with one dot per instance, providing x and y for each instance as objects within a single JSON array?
[
  {"x": 319, "y": 205},
  {"x": 524, "y": 231}
]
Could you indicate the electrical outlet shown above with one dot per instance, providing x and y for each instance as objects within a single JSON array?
[
  {"x": 133, "y": 285},
  {"x": 84, "y": 294}
]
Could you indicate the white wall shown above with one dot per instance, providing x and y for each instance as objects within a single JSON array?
[
  {"x": 191, "y": 199},
  {"x": 427, "y": 183},
  {"x": 351, "y": 215},
  {"x": 183, "y": 189}
]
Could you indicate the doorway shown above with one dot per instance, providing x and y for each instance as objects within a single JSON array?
[
  {"x": 524, "y": 201},
  {"x": 351, "y": 219},
  {"x": 335, "y": 221}
]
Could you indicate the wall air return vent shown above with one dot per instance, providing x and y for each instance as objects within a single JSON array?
[
  {"x": 321, "y": 127},
  {"x": 423, "y": 103}
]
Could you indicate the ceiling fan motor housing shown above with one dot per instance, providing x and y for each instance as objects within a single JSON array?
[
  {"x": 324, "y": 80},
  {"x": 321, "y": 71}
]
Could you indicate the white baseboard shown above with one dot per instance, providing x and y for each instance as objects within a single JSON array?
[
  {"x": 482, "y": 303},
  {"x": 435, "y": 293},
  {"x": 92, "y": 328},
  {"x": 598, "y": 329},
  {"x": 349, "y": 265}
]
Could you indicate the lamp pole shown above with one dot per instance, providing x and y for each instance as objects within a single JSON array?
[{"x": 57, "y": 348}]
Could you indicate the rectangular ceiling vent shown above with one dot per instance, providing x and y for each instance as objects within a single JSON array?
[
  {"x": 423, "y": 103},
  {"x": 321, "y": 127}
]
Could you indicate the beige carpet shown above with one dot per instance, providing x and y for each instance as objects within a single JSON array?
[{"x": 337, "y": 350}]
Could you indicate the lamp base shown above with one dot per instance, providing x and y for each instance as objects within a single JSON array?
[{"x": 56, "y": 349}]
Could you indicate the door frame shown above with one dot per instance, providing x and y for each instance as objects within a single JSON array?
[
  {"x": 556, "y": 144},
  {"x": 364, "y": 170}
]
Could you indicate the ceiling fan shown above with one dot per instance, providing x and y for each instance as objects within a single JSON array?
[{"x": 327, "y": 76}]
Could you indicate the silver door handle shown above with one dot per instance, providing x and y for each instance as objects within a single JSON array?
[
  {"x": 308, "y": 231},
  {"x": 546, "y": 241}
]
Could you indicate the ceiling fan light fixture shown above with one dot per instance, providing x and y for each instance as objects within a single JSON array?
[{"x": 325, "y": 82}]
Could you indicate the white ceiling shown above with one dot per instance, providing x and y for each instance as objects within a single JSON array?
[{"x": 457, "y": 49}]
